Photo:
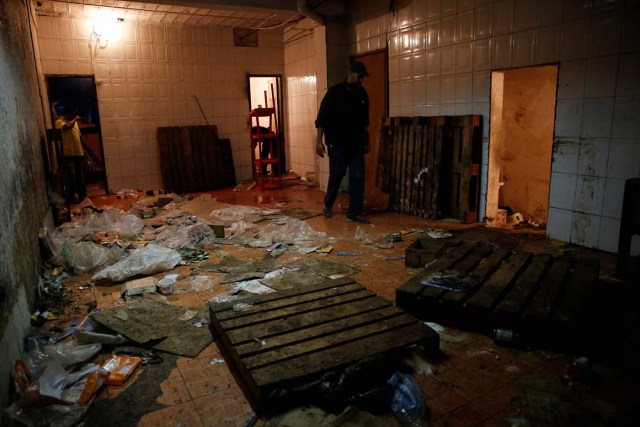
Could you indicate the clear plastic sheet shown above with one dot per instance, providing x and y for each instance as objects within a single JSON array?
[
  {"x": 198, "y": 235},
  {"x": 88, "y": 256},
  {"x": 147, "y": 261},
  {"x": 128, "y": 225},
  {"x": 70, "y": 353},
  {"x": 368, "y": 236},
  {"x": 234, "y": 213},
  {"x": 293, "y": 231}
]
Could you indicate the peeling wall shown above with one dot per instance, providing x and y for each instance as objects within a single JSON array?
[{"x": 23, "y": 203}]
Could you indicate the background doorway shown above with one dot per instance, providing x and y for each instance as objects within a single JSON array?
[
  {"x": 376, "y": 86},
  {"x": 264, "y": 91},
  {"x": 80, "y": 92},
  {"x": 521, "y": 142}
]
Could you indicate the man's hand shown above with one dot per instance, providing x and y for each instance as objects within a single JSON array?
[
  {"x": 367, "y": 147},
  {"x": 319, "y": 144}
]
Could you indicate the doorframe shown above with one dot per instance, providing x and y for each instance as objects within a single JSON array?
[
  {"x": 279, "y": 100},
  {"x": 375, "y": 198},
  {"x": 496, "y": 134},
  {"x": 94, "y": 94}
]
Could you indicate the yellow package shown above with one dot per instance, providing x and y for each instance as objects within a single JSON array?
[{"x": 120, "y": 368}]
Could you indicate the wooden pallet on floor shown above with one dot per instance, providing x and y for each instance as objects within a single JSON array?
[
  {"x": 291, "y": 338},
  {"x": 541, "y": 298}
]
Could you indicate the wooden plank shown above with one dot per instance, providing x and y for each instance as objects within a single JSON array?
[
  {"x": 290, "y": 310},
  {"x": 177, "y": 163},
  {"x": 421, "y": 161},
  {"x": 547, "y": 293},
  {"x": 165, "y": 159},
  {"x": 218, "y": 308},
  {"x": 413, "y": 287},
  {"x": 409, "y": 172},
  {"x": 187, "y": 157},
  {"x": 330, "y": 358},
  {"x": 489, "y": 294},
  {"x": 246, "y": 327},
  {"x": 394, "y": 165},
  {"x": 205, "y": 137},
  {"x": 478, "y": 272},
  {"x": 227, "y": 175},
  {"x": 322, "y": 323},
  {"x": 321, "y": 343},
  {"x": 437, "y": 162},
  {"x": 517, "y": 299},
  {"x": 264, "y": 309},
  {"x": 579, "y": 288}
]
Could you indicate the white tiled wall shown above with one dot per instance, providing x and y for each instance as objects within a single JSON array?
[
  {"x": 597, "y": 47},
  {"x": 148, "y": 79},
  {"x": 302, "y": 108}
]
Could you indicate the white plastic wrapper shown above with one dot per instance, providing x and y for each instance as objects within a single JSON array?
[
  {"x": 87, "y": 256},
  {"x": 148, "y": 260}
]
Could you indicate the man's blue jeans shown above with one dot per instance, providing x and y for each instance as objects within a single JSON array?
[{"x": 339, "y": 162}]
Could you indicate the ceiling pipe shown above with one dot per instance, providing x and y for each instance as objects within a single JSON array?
[{"x": 305, "y": 10}]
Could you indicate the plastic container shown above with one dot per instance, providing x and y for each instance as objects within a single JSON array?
[{"x": 165, "y": 286}]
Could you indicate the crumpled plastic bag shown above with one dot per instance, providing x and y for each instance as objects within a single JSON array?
[
  {"x": 128, "y": 225},
  {"x": 408, "y": 400},
  {"x": 88, "y": 256},
  {"x": 194, "y": 236},
  {"x": 368, "y": 237},
  {"x": 148, "y": 260},
  {"x": 293, "y": 231}
]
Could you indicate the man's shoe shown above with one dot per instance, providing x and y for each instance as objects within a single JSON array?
[
  {"x": 358, "y": 218},
  {"x": 327, "y": 212}
]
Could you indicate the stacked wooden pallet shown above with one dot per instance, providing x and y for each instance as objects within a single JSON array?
[{"x": 193, "y": 158}]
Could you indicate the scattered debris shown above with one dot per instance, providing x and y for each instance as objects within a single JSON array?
[
  {"x": 216, "y": 362},
  {"x": 438, "y": 234}
]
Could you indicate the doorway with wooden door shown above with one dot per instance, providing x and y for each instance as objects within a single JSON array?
[{"x": 376, "y": 86}]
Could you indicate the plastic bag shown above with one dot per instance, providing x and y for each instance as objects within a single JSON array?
[
  {"x": 194, "y": 236},
  {"x": 128, "y": 225},
  {"x": 408, "y": 400},
  {"x": 233, "y": 213},
  {"x": 148, "y": 260},
  {"x": 70, "y": 353},
  {"x": 84, "y": 334},
  {"x": 293, "y": 231},
  {"x": 88, "y": 256},
  {"x": 369, "y": 238},
  {"x": 55, "y": 378}
]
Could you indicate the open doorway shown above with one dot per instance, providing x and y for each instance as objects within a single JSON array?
[
  {"x": 80, "y": 92},
  {"x": 265, "y": 92},
  {"x": 377, "y": 89},
  {"x": 520, "y": 145}
]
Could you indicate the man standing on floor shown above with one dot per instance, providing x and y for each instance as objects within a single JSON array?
[
  {"x": 343, "y": 119},
  {"x": 73, "y": 155}
]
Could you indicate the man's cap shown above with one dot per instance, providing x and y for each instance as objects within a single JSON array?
[{"x": 358, "y": 68}]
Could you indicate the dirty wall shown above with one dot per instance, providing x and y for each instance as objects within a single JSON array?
[{"x": 23, "y": 202}]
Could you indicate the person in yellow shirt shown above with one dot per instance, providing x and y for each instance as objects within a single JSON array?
[{"x": 75, "y": 189}]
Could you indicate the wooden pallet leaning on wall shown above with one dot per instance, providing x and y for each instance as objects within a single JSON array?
[
  {"x": 430, "y": 165},
  {"x": 193, "y": 158}
]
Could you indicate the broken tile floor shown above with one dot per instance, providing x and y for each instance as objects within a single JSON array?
[{"x": 475, "y": 382}]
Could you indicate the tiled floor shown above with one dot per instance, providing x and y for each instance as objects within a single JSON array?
[{"x": 475, "y": 382}]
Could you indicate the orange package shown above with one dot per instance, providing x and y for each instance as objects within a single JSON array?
[{"x": 120, "y": 367}]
